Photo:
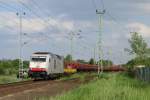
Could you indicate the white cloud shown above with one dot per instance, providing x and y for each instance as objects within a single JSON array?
[
  {"x": 66, "y": 26},
  {"x": 31, "y": 25},
  {"x": 143, "y": 29},
  {"x": 144, "y": 7},
  {"x": 10, "y": 19},
  {"x": 61, "y": 24},
  {"x": 56, "y": 26}
]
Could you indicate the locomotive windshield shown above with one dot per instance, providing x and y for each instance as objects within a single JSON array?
[{"x": 38, "y": 59}]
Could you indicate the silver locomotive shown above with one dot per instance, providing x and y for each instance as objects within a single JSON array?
[{"x": 46, "y": 65}]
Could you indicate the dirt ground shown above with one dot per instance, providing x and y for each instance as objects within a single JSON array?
[{"x": 47, "y": 90}]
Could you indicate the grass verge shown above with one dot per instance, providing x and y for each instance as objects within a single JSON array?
[
  {"x": 8, "y": 79},
  {"x": 4, "y": 79},
  {"x": 80, "y": 76},
  {"x": 111, "y": 87}
]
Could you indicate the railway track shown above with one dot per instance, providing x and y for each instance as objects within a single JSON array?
[
  {"x": 15, "y": 83},
  {"x": 17, "y": 87},
  {"x": 28, "y": 90}
]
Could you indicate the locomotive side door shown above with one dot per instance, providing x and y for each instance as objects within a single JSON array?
[
  {"x": 49, "y": 65},
  {"x": 52, "y": 64}
]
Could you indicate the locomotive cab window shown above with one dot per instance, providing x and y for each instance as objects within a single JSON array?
[{"x": 38, "y": 59}]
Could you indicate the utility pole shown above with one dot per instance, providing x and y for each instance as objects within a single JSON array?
[
  {"x": 100, "y": 14},
  {"x": 94, "y": 55},
  {"x": 72, "y": 35},
  {"x": 109, "y": 54},
  {"x": 20, "y": 44},
  {"x": 71, "y": 43}
]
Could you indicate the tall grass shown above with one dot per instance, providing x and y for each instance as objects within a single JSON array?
[
  {"x": 8, "y": 79},
  {"x": 111, "y": 87},
  {"x": 4, "y": 79},
  {"x": 80, "y": 76}
]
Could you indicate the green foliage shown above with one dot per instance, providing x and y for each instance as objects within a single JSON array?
[
  {"x": 82, "y": 61},
  {"x": 92, "y": 61},
  {"x": 140, "y": 49},
  {"x": 68, "y": 58},
  {"x": 80, "y": 76},
  {"x": 8, "y": 79},
  {"x": 138, "y": 46},
  {"x": 137, "y": 61},
  {"x": 106, "y": 62},
  {"x": 115, "y": 87},
  {"x": 9, "y": 67},
  {"x": 26, "y": 64},
  {"x": 2, "y": 71}
]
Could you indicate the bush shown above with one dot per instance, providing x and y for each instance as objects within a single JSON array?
[
  {"x": 138, "y": 61},
  {"x": 9, "y": 67},
  {"x": 2, "y": 71}
]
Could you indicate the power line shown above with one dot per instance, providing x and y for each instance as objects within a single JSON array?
[
  {"x": 103, "y": 6},
  {"x": 46, "y": 24},
  {"x": 39, "y": 8},
  {"x": 36, "y": 4},
  {"x": 94, "y": 4},
  {"x": 10, "y": 8},
  {"x": 33, "y": 38},
  {"x": 79, "y": 44},
  {"x": 115, "y": 20},
  {"x": 83, "y": 45},
  {"x": 7, "y": 5},
  {"x": 45, "y": 21},
  {"x": 42, "y": 11}
]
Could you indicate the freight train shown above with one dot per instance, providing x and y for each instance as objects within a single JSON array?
[
  {"x": 90, "y": 67},
  {"x": 47, "y": 65}
]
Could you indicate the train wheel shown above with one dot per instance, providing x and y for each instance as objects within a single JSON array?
[{"x": 46, "y": 78}]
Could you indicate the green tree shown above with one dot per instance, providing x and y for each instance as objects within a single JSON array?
[
  {"x": 139, "y": 49},
  {"x": 9, "y": 67},
  {"x": 26, "y": 64},
  {"x": 138, "y": 46},
  {"x": 91, "y": 61},
  {"x": 107, "y": 63},
  {"x": 68, "y": 58},
  {"x": 82, "y": 61}
]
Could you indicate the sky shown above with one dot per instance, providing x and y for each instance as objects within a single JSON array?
[{"x": 47, "y": 24}]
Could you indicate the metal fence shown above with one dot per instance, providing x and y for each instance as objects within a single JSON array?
[{"x": 143, "y": 74}]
